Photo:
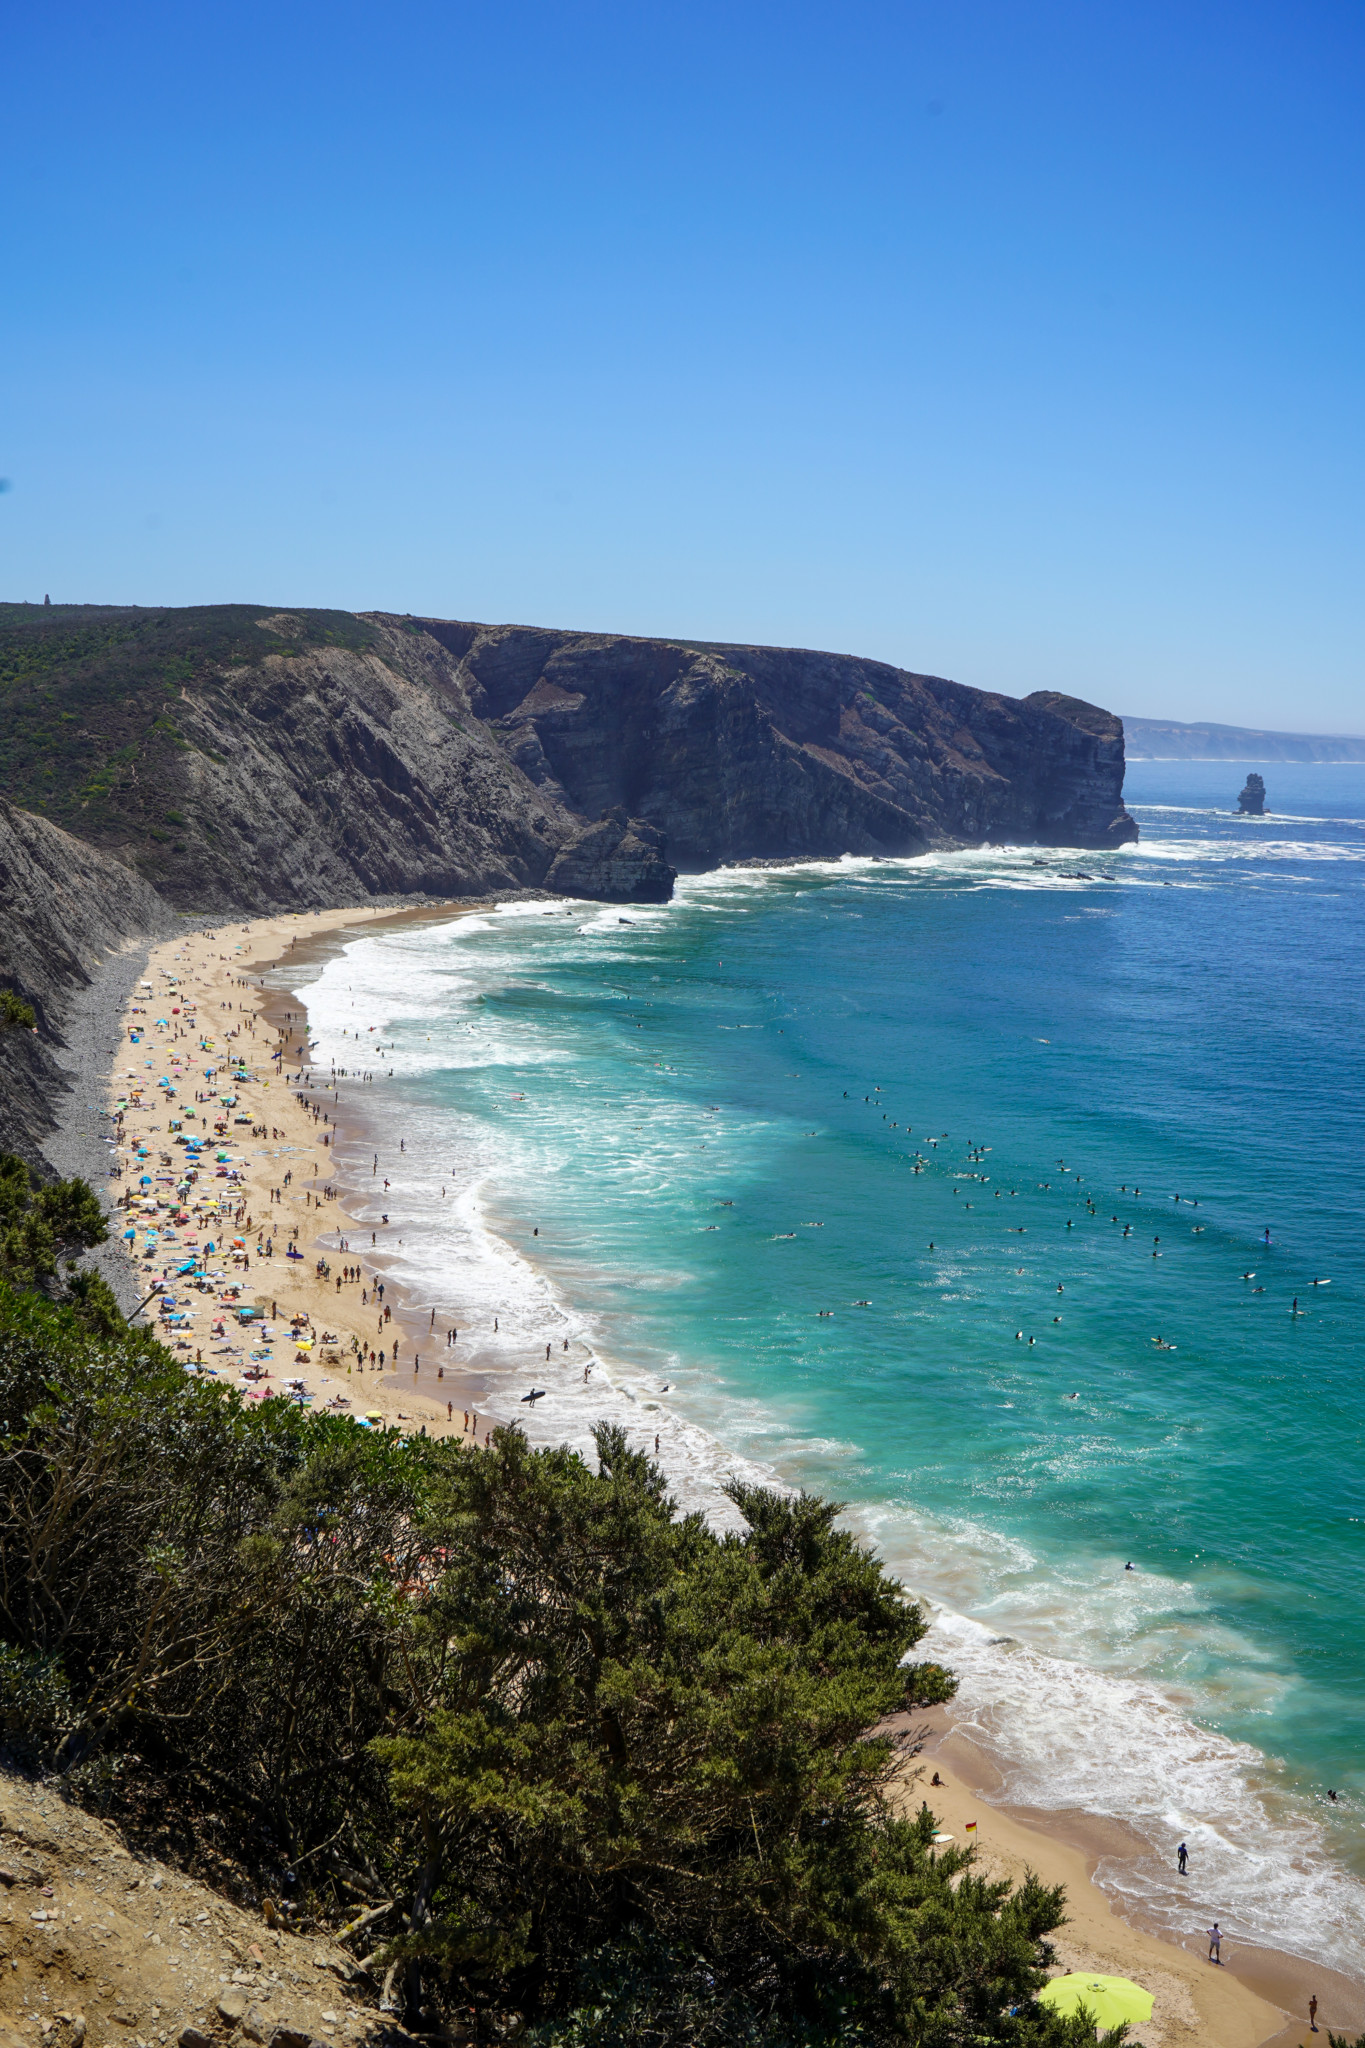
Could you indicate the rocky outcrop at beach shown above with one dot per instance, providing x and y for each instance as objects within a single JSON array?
[
  {"x": 1252, "y": 800},
  {"x": 617, "y": 860}
]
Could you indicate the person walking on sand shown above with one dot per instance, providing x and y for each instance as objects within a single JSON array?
[
  {"x": 1216, "y": 1944},
  {"x": 1313, "y": 2012},
  {"x": 1182, "y": 1858}
]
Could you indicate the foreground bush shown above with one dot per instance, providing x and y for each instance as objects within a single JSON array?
[{"x": 572, "y": 1752}]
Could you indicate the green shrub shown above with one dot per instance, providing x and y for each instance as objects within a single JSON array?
[{"x": 15, "y": 1013}]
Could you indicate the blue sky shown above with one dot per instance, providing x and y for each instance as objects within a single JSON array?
[{"x": 1015, "y": 342}]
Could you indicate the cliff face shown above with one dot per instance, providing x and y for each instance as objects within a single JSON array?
[
  {"x": 239, "y": 760},
  {"x": 735, "y": 752},
  {"x": 63, "y": 909},
  {"x": 244, "y": 762}
]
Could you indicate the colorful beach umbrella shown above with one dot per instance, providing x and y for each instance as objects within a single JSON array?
[{"x": 1109, "y": 2000}]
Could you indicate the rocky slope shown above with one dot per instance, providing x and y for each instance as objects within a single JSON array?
[
  {"x": 256, "y": 763},
  {"x": 64, "y": 908},
  {"x": 99, "y": 1945}
]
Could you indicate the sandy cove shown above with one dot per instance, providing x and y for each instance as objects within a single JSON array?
[{"x": 210, "y": 1029}]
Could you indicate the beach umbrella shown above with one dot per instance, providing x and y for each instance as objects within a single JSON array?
[{"x": 1109, "y": 2000}]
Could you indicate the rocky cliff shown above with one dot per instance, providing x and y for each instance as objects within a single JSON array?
[
  {"x": 241, "y": 760},
  {"x": 736, "y": 752},
  {"x": 64, "y": 907}
]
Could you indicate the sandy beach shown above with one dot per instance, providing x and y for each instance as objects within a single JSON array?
[
  {"x": 265, "y": 1277},
  {"x": 215, "y": 1064},
  {"x": 1256, "y": 1997}
]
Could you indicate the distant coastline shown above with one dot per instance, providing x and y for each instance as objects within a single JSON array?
[{"x": 1168, "y": 739}]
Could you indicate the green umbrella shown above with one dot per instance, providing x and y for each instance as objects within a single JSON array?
[{"x": 1107, "y": 1999}]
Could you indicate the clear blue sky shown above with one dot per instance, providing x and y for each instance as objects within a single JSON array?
[{"x": 1016, "y": 342}]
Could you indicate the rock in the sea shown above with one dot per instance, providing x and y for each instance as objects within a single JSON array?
[
  {"x": 617, "y": 860},
  {"x": 1252, "y": 800}
]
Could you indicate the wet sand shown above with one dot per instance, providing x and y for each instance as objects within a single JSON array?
[{"x": 1258, "y": 1995}]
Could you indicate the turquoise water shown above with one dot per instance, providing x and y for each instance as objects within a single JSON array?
[{"x": 823, "y": 1149}]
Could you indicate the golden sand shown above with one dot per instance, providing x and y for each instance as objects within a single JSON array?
[{"x": 260, "y": 1193}]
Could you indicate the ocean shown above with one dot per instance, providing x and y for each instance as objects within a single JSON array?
[{"x": 976, "y": 1191}]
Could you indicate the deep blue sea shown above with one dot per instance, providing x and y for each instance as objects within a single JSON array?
[{"x": 976, "y": 1191}]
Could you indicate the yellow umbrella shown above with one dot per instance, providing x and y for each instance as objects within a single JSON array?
[{"x": 1107, "y": 1999}]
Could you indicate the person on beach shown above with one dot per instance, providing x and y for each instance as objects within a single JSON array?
[
  {"x": 1313, "y": 2012},
  {"x": 1182, "y": 1858},
  {"x": 1216, "y": 1944}
]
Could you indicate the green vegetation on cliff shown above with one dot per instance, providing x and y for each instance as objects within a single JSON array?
[
  {"x": 89, "y": 696},
  {"x": 612, "y": 1770}
]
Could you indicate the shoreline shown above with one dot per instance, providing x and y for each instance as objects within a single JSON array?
[
  {"x": 1269, "y": 1983},
  {"x": 1071, "y": 1836}
]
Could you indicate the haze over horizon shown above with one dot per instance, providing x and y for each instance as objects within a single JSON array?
[{"x": 1017, "y": 348}]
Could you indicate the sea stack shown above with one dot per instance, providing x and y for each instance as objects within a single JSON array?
[{"x": 1251, "y": 802}]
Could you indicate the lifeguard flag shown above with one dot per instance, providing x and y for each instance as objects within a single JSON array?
[{"x": 970, "y": 1828}]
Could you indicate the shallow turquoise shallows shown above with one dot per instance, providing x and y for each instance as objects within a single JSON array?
[{"x": 979, "y": 1192}]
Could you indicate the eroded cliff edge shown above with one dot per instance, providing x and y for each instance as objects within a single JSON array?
[{"x": 65, "y": 909}]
